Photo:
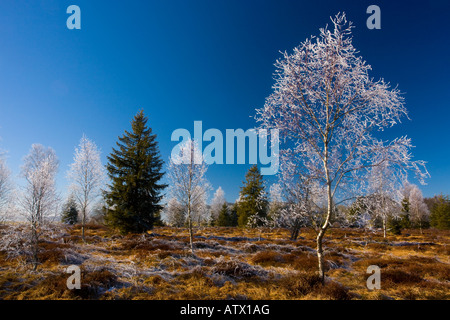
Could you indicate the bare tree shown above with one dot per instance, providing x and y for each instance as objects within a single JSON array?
[
  {"x": 276, "y": 208},
  {"x": 276, "y": 199},
  {"x": 329, "y": 109},
  {"x": 87, "y": 176},
  {"x": 39, "y": 199},
  {"x": 419, "y": 210},
  {"x": 174, "y": 213},
  {"x": 304, "y": 197},
  {"x": 217, "y": 203},
  {"x": 384, "y": 196},
  {"x": 200, "y": 211},
  {"x": 187, "y": 170},
  {"x": 259, "y": 221},
  {"x": 5, "y": 189}
]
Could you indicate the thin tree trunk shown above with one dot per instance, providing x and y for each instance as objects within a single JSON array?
[
  {"x": 320, "y": 255},
  {"x": 83, "y": 221},
  {"x": 190, "y": 230},
  {"x": 189, "y": 198},
  {"x": 35, "y": 236},
  {"x": 34, "y": 246},
  {"x": 321, "y": 234},
  {"x": 326, "y": 223},
  {"x": 295, "y": 231},
  {"x": 84, "y": 210}
]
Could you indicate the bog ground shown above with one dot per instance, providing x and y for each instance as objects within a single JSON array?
[{"x": 231, "y": 263}]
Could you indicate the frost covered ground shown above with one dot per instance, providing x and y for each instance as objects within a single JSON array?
[{"x": 228, "y": 263}]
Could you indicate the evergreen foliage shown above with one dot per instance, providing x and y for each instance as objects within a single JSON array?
[
  {"x": 70, "y": 212},
  {"x": 135, "y": 168},
  {"x": 405, "y": 221},
  {"x": 440, "y": 212},
  {"x": 224, "y": 219},
  {"x": 252, "y": 197}
]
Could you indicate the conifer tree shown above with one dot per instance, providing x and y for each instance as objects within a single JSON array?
[
  {"x": 405, "y": 221},
  {"x": 233, "y": 215},
  {"x": 252, "y": 197},
  {"x": 440, "y": 212},
  {"x": 224, "y": 218},
  {"x": 70, "y": 211},
  {"x": 402, "y": 221},
  {"x": 134, "y": 168}
]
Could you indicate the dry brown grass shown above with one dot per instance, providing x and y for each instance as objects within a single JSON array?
[
  {"x": 301, "y": 284},
  {"x": 52, "y": 252},
  {"x": 231, "y": 263}
]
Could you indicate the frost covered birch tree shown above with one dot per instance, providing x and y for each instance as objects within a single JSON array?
[
  {"x": 86, "y": 175},
  {"x": 417, "y": 207},
  {"x": 186, "y": 172},
  {"x": 276, "y": 200},
  {"x": 5, "y": 189},
  {"x": 201, "y": 212},
  {"x": 217, "y": 203},
  {"x": 174, "y": 213},
  {"x": 330, "y": 113},
  {"x": 383, "y": 200},
  {"x": 39, "y": 198},
  {"x": 304, "y": 197}
]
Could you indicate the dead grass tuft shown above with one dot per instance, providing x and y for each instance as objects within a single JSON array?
[
  {"x": 237, "y": 269},
  {"x": 300, "y": 284},
  {"x": 94, "y": 283},
  {"x": 301, "y": 261},
  {"x": 267, "y": 258},
  {"x": 379, "y": 247},
  {"x": 52, "y": 252},
  {"x": 392, "y": 277},
  {"x": 333, "y": 290}
]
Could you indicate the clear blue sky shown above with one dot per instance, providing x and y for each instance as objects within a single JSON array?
[{"x": 200, "y": 60}]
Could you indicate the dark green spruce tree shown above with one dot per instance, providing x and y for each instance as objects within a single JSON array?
[
  {"x": 234, "y": 215},
  {"x": 69, "y": 214},
  {"x": 252, "y": 197},
  {"x": 405, "y": 220},
  {"x": 135, "y": 170},
  {"x": 440, "y": 212},
  {"x": 224, "y": 219}
]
